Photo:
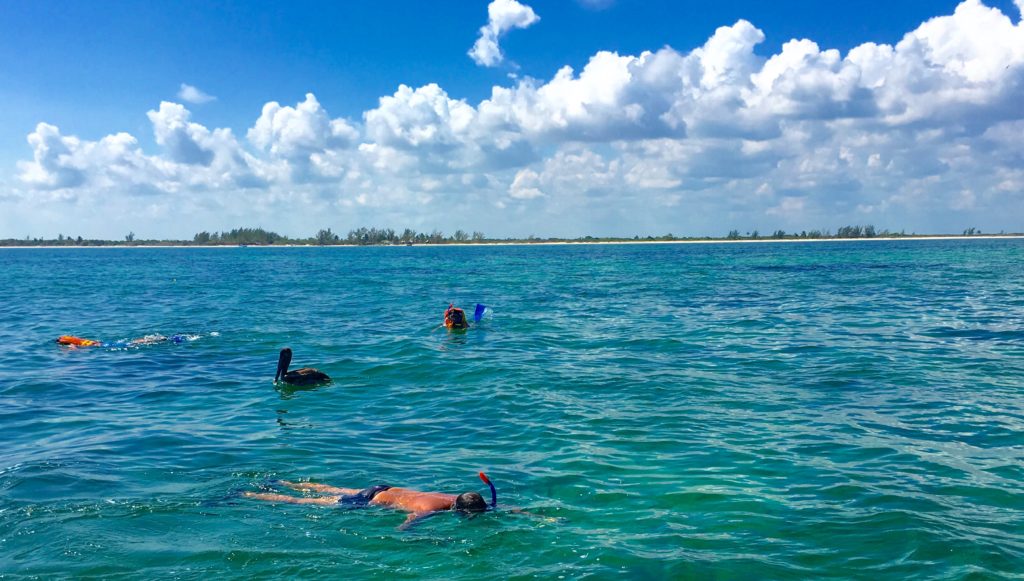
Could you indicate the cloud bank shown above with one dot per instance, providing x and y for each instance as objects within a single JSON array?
[{"x": 924, "y": 134}]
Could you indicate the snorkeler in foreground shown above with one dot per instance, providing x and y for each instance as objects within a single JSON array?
[{"x": 419, "y": 505}]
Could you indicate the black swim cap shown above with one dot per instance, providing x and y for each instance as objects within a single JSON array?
[{"x": 470, "y": 502}]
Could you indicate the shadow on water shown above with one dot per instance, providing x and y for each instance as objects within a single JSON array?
[{"x": 288, "y": 391}]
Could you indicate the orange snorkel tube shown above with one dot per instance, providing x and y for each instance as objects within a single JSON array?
[{"x": 494, "y": 493}]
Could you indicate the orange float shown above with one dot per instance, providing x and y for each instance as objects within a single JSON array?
[{"x": 77, "y": 341}]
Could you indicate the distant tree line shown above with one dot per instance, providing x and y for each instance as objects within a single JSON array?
[
  {"x": 69, "y": 240},
  {"x": 388, "y": 236},
  {"x": 868, "y": 231},
  {"x": 262, "y": 237},
  {"x": 327, "y": 237},
  {"x": 239, "y": 236}
]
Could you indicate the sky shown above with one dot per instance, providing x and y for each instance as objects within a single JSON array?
[{"x": 558, "y": 118}]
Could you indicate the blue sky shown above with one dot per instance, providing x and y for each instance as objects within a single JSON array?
[{"x": 696, "y": 137}]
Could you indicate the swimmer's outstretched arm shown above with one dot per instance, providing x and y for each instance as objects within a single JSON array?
[
  {"x": 533, "y": 515},
  {"x": 321, "y": 500},
  {"x": 414, "y": 518},
  {"x": 314, "y": 487}
]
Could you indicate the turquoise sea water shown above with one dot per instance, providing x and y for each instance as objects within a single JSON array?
[{"x": 726, "y": 411}]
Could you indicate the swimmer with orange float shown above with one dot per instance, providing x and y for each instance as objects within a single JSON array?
[
  {"x": 419, "y": 505},
  {"x": 73, "y": 341}
]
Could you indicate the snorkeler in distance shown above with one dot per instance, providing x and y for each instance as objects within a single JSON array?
[
  {"x": 455, "y": 318},
  {"x": 419, "y": 505},
  {"x": 303, "y": 376}
]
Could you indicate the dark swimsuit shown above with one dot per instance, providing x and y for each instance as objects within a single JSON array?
[{"x": 363, "y": 497}]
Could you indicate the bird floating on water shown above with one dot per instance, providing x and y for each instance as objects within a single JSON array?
[{"x": 304, "y": 376}]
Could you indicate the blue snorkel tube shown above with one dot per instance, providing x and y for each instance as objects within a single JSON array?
[{"x": 494, "y": 493}]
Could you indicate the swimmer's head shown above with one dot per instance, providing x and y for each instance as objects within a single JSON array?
[{"x": 470, "y": 502}]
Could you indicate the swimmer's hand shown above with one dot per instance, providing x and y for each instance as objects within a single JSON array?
[
  {"x": 540, "y": 517},
  {"x": 415, "y": 518}
]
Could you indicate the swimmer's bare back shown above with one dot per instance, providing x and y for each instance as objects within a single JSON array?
[
  {"x": 399, "y": 498},
  {"x": 419, "y": 504},
  {"x": 414, "y": 501}
]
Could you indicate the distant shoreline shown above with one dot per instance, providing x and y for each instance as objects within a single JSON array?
[{"x": 522, "y": 243}]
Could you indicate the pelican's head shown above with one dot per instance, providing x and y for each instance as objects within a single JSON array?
[{"x": 283, "y": 362}]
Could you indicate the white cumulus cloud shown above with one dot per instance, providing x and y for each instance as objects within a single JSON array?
[
  {"x": 300, "y": 130},
  {"x": 193, "y": 95},
  {"x": 502, "y": 16},
  {"x": 524, "y": 185}
]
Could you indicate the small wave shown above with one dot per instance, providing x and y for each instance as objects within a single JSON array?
[{"x": 978, "y": 334}]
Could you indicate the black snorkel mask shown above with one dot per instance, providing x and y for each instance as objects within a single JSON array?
[{"x": 494, "y": 492}]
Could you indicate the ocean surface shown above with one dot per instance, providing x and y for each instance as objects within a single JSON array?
[{"x": 713, "y": 411}]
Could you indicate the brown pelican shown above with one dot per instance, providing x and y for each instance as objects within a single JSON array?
[{"x": 304, "y": 376}]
